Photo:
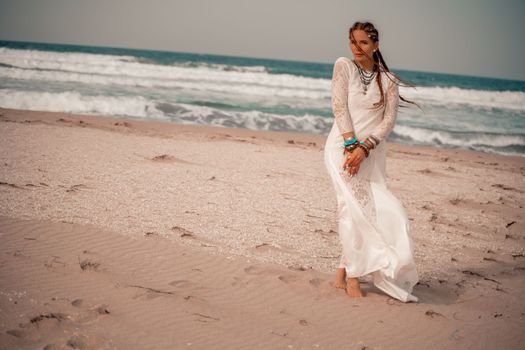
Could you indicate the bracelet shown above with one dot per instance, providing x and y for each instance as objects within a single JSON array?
[
  {"x": 370, "y": 143},
  {"x": 350, "y": 142},
  {"x": 364, "y": 148},
  {"x": 373, "y": 140},
  {"x": 350, "y": 148}
]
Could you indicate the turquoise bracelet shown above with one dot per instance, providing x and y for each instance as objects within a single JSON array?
[{"x": 350, "y": 142}]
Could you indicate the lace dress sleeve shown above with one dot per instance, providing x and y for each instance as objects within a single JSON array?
[
  {"x": 340, "y": 78},
  {"x": 390, "y": 115}
]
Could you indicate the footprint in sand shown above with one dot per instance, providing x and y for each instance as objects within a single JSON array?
[
  {"x": 126, "y": 124},
  {"x": 181, "y": 283},
  {"x": 93, "y": 314},
  {"x": 77, "y": 342},
  {"x": 53, "y": 262},
  {"x": 431, "y": 313},
  {"x": 42, "y": 324},
  {"x": 239, "y": 282},
  {"x": 269, "y": 272},
  {"x": 81, "y": 341},
  {"x": 316, "y": 282},
  {"x": 267, "y": 248},
  {"x": 80, "y": 313},
  {"x": 102, "y": 309},
  {"x": 456, "y": 200},
  {"x": 299, "y": 268},
  {"x": 255, "y": 270},
  {"x": 18, "y": 333},
  {"x": 166, "y": 158},
  {"x": 88, "y": 264},
  {"x": 288, "y": 278},
  {"x": 77, "y": 302},
  {"x": 183, "y": 232},
  {"x": 252, "y": 270}
]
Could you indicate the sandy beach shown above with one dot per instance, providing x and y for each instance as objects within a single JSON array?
[{"x": 126, "y": 234}]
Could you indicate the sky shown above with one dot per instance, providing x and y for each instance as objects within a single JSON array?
[{"x": 469, "y": 37}]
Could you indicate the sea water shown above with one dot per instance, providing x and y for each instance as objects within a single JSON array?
[{"x": 467, "y": 112}]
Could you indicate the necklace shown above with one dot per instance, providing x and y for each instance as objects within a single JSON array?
[{"x": 366, "y": 77}]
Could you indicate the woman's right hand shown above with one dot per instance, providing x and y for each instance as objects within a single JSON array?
[{"x": 353, "y": 160}]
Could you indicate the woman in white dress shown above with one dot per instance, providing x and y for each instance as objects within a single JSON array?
[{"x": 373, "y": 224}]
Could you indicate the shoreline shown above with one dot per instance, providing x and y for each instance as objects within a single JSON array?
[
  {"x": 169, "y": 129},
  {"x": 134, "y": 194}
]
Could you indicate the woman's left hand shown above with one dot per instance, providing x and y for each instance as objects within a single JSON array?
[{"x": 353, "y": 162}]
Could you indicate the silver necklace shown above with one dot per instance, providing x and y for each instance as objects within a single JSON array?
[{"x": 366, "y": 78}]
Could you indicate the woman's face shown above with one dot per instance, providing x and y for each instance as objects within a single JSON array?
[{"x": 360, "y": 39}]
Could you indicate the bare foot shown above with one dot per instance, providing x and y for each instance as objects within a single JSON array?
[
  {"x": 353, "y": 288},
  {"x": 340, "y": 278}
]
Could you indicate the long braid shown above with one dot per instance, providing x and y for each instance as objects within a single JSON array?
[
  {"x": 379, "y": 63},
  {"x": 377, "y": 66},
  {"x": 397, "y": 78}
]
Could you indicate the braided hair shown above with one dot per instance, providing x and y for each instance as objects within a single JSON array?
[{"x": 378, "y": 61}]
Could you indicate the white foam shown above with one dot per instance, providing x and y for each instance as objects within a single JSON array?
[
  {"x": 225, "y": 67},
  {"x": 127, "y": 66},
  {"x": 256, "y": 120},
  {"x": 435, "y": 137},
  {"x": 74, "y": 102},
  {"x": 238, "y": 88},
  {"x": 513, "y": 100},
  {"x": 127, "y": 71}
]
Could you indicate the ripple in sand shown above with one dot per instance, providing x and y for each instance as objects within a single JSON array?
[
  {"x": 76, "y": 188},
  {"x": 506, "y": 188},
  {"x": 11, "y": 185}
]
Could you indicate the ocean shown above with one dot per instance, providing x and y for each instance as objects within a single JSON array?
[{"x": 457, "y": 111}]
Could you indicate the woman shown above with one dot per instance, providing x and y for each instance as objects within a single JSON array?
[{"x": 373, "y": 225}]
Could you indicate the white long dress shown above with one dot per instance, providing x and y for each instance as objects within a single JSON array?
[{"x": 373, "y": 224}]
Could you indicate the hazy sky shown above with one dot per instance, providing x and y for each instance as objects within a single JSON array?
[{"x": 471, "y": 37}]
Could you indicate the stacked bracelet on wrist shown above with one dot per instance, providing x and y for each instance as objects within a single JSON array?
[
  {"x": 350, "y": 145},
  {"x": 370, "y": 143}
]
